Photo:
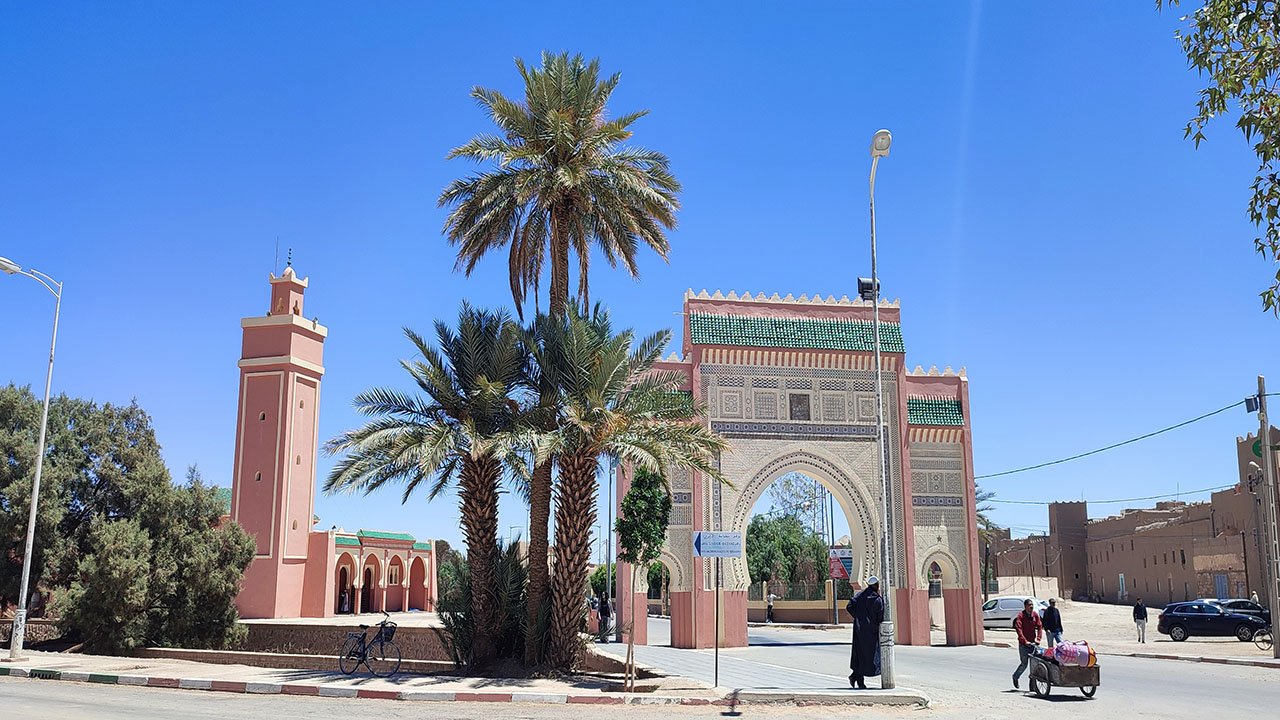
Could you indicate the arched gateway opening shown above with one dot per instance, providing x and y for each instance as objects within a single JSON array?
[{"x": 791, "y": 385}]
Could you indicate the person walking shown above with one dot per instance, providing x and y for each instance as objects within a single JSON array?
[
  {"x": 1052, "y": 620},
  {"x": 606, "y": 613},
  {"x": 867, "y": 609},
  {"x": 1028, "y": 627},
  {"x": 1140, "y": 619},
  {"x": 768, "y": 612}
]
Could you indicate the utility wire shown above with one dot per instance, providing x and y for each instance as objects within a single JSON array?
[
  {"x": 1119, "y": 500},
  {"x": 1104, "y": 449}
]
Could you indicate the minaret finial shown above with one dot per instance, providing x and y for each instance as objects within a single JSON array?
[{"x": 289, "y": 259}]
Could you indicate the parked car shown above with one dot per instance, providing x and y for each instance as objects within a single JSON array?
[
  {"x": 1206, "y": 619},
  {"x": 1244, "y": 606},
  {"x": 999, "y": 612}
]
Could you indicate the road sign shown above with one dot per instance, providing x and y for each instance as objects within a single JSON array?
[
  {"x": 840, "y": 563},
  {"x": 717, "y": 544}
]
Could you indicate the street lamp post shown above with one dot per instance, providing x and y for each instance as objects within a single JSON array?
[
  {"x": 880, "y": 143},
  {"x": 19, "y": 633}
]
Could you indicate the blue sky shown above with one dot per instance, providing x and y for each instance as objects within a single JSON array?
[{"x": 1041, "y": 217}]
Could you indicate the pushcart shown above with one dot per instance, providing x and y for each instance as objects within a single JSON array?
[{"x": 1045, "y": 674}]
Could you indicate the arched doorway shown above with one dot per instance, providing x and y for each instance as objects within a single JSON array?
[
  {"x": 948, "y": 600},
  {"x": 344, "y": 579},
  {"x": 418, "y": 584},
  {"x": 371, "y": 590}
]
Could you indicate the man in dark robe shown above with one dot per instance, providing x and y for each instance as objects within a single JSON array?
[{"x": 867, "y": 609}]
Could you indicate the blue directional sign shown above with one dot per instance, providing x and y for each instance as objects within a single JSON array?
[{"x": 717, "y": 544}]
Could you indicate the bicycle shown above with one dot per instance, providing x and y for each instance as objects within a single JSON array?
[
  {"x": 1262, "y": 639},
  {"x": 380, "y": 655}
]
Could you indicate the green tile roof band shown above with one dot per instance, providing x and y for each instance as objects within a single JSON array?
[
  {"x": 934, "y": 411},
  {"x": 346, "y": 541},
  {"x": 805, "y": 333},
  {"x": 422, "y": 546},
  {"x": 380, "y": 535}
]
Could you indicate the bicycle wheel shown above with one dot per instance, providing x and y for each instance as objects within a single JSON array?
[
  {"x": 383, "y": 659},
  {"x": 1262, "y": 639},
  {"x": 350, "y": 657}
]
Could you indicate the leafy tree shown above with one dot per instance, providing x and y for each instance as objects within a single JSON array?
[
  {"x": 802, "y": 497},
  {"x": 451, "y": 567},
  {"x": 1233, "y": 43},
  {"x": 642, "y": 531},
  {"x": 107, "y": 604},
  {"x": 130, "y": 558},
  {"x": 559, "y": 182},
  {"x": 780, "y": 548},
  {"x": 614, "y": 403},
  {"x": 600, "y": 577},
  {"x": 982, "y": 502},
  {"x": 455, "y": 433},
  {"x": 510, "y": 578}
]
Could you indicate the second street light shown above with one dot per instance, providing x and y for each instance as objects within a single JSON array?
[
  {"x": 18, "y": 635},
  {"x": 880, "y": 143}
]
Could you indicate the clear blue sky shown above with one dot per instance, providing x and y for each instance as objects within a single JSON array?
[{"x": 1041, "y": 217}]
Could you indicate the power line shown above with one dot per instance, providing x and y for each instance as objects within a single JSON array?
[
  {"x": 1109, "y": 447},
  {"x": 1120, "y": 500}
]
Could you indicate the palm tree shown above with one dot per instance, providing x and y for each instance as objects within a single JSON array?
[
  {"x": 562, "y": 183},
  {"x": 456, "y": 432},
  {"x": 614, "y": 403}
]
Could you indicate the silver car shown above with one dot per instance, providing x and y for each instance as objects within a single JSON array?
[{"x": 999, "y": 612}]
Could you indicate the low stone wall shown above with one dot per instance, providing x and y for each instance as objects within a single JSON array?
[
  {"x": 279, "y": 661},
  {"x": 416, "y": 643},
  {"x": 38, "y": 630}
]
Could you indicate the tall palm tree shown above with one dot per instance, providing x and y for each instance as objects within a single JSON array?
[
  {"x": 614, "y": 403},
  {"x": 562, "y": 183},
  {"x": 455, "y": 432}
]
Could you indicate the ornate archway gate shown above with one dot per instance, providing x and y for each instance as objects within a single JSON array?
[{"x": 790, "y": 383}]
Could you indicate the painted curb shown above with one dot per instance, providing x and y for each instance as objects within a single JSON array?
[
  {"x": 797, "y": 697},
  {"x": 1239, "y": 662}
]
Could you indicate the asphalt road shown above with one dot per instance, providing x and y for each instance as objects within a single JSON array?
[{"x": 976, "y": 680}]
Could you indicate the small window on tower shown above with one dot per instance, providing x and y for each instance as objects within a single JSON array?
[
  {"x": 257, "y": 477},
  {"x": 295, "y": 524},
  {"x": 301, "y": 403},
  {"x": 297, "y": 460},
  {"x": 262, "y": 416}
]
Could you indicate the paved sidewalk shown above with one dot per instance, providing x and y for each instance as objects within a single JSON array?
[{"x": 584, "y": 689}]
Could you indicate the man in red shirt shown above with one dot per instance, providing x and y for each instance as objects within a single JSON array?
[{"x": 1028, "y": 627}]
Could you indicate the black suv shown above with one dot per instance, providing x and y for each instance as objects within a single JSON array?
[{"x": 1182, "y": 620}]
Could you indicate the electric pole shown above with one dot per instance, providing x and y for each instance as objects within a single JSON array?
[{"x": 1272, "y": 556}]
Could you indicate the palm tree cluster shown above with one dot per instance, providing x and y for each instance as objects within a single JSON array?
[
  {"x": 565, "y": 390},
  {"x": 494, "y": 399}
]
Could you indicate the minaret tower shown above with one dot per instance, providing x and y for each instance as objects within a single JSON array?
[{"x": 273, "y": 486}]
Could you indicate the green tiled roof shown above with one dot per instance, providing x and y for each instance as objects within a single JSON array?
[
  {"x": 380, "y": 535},
  {"x": 422, "y": 546},
  {"x": 344, "y": 540},
  {"x": 807, "y": 333},
  {"x": 934, "y": 411},
  {"x": 224, "y": 498}
]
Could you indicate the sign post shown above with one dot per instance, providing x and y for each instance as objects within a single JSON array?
[
  {"x": 839, "y": 567},
  {"x": 717, "y": 545}
]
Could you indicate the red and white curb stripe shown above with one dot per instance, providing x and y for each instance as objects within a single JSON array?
[{"x": 346, "y": 691}]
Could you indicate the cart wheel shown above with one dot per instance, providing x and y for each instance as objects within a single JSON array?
[
  {"x": 1089, "y": 690},
  {"x": 1040, "y": 687}
]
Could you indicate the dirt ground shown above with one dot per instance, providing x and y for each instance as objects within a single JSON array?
[{"x": 1110, "y": 628}]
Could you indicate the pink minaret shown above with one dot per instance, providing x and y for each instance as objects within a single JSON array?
[{"x": 273, "y": 486}]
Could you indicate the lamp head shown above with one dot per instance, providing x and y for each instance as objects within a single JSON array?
[
  {"x": 880, "y": 143},
  {"x": 9, "y": 267}
]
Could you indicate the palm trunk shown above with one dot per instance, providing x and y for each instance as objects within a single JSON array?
[
  {"x": 478, "y": 493},
  {"x": 575, "y": 516},
  {"x": 559, "y": 266},
  {"x": 539, "y": 515}
]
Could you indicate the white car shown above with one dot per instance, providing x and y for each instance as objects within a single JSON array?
[{"x": 999, "y": 612}]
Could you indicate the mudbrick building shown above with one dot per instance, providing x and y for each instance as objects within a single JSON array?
[{"x": 1170, "y": 552}]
